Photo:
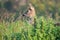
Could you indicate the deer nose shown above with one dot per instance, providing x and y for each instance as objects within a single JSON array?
[{"x": 23, "y": 15}]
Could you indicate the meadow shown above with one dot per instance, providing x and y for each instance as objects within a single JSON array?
[{"x": 43, "y": 29}]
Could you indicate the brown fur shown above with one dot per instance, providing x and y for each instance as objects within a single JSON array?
[{"x": 57, "y": 24}]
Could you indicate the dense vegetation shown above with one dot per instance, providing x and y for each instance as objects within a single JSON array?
[{"x": 43, "y": 29}]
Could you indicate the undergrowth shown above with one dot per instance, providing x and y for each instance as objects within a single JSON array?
[{"x": 43, "y": 29}]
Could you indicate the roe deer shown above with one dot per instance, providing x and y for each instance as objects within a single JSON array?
[{"x": 30, "y": 14}]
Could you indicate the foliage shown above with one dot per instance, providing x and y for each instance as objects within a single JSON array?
[{"x": 43, "y": 29}]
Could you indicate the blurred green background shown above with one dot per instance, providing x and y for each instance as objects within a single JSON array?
[{"x": 46, "y": 8}]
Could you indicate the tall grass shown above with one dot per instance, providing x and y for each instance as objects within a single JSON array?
[{"x": 43, "y": 29}]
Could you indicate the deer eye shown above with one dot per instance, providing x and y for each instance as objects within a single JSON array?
[{"x": 30, "y": 9}]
